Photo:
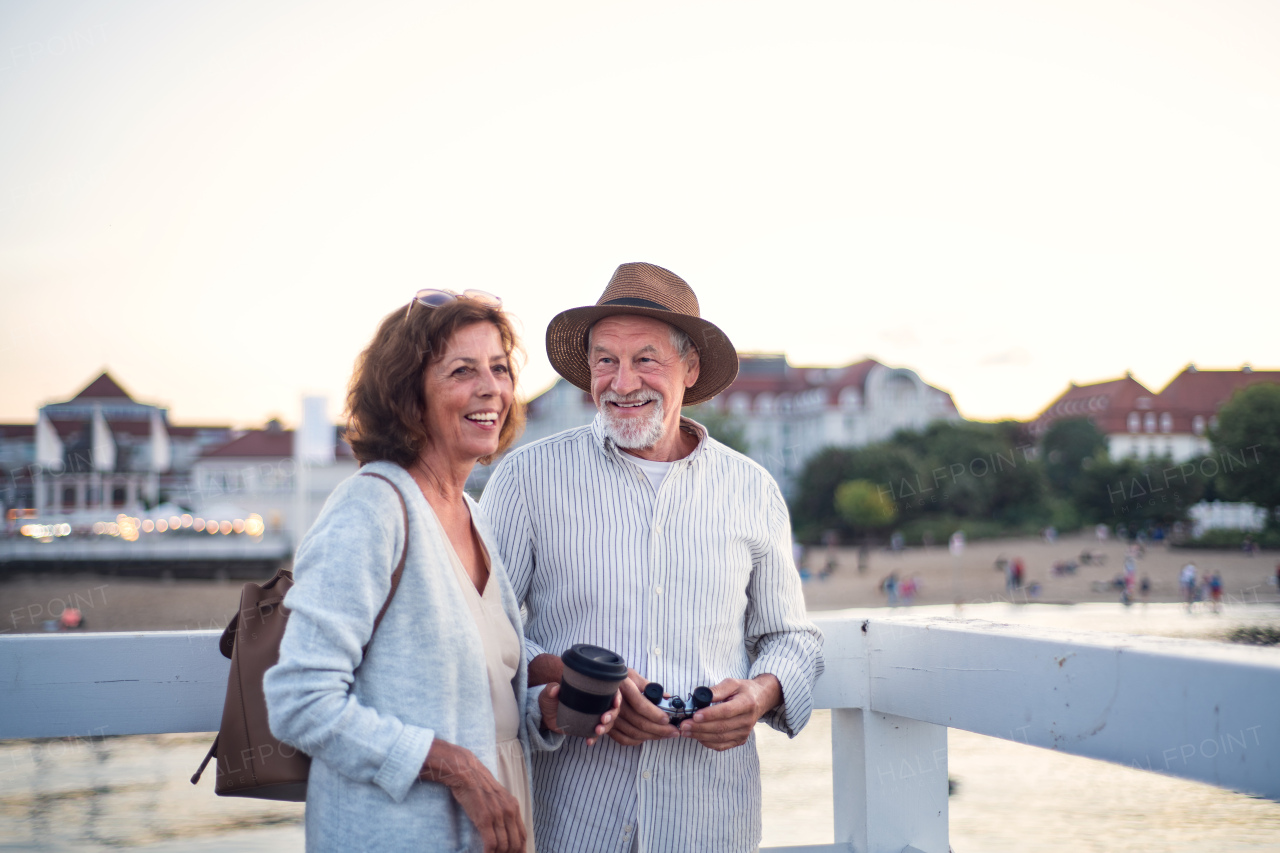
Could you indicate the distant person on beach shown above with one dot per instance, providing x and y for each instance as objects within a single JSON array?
[
  {"x": 1215, "y": 590},
  {"x": 1187, "y": 580},
  {"x": 829, "y": 561},
  {"x": 889, "y": 585},
  {"x": 421, "y": 740},
  {"x": 643, "y": 534}
]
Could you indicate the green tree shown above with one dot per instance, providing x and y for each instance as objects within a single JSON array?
[
  {"x": 813, "y": 507},
  {"x": 1070, "y": 446},
  {"x": 976, "y": 470},
  {"x": 1247, "y": 446},
  {"x": 722, "y": 426},
  {"x": 1138, "y": 492},
  {"x": 865, "y": 507}
]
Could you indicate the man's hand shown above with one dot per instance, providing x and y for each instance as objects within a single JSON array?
[
  {"x": 639, "y": 719},
  {"x": 741, "y": 703},
  {"x": 549, "y": 702}
]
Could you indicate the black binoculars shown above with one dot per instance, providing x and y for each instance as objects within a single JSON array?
[{"x": 678, "y": 710}]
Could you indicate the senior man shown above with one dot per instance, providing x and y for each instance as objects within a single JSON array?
[{"x": 642, "y": 534}]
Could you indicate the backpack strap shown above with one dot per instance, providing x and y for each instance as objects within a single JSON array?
[
  {"x": 395, "y": 576},
  {"x": 227, "y": 642}
]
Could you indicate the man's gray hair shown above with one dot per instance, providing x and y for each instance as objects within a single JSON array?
[{"x": 681, "y": 341}]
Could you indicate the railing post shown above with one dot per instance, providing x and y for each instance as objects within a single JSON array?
[{"x": 890, "y": 782}]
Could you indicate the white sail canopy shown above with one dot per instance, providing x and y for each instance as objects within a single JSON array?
[
  {"x": 161, "y": 453},
  {"x": 104, "y": 443},
  {"x": 49, "y": 448}
]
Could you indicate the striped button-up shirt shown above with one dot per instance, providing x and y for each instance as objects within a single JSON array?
[{"x": 692, "y": 583}]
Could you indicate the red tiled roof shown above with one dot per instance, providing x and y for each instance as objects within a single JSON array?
[
  {"x": 257, "y": 442},
  {"x": 102, "y": 388},
  {"x": 1192, "y": 394},
  {"x": 1204, "y": 391},
  {"x": 761, "y": 372},
  {"x": 193, "y": 431},
  {"x": 1107, "y": 404}
]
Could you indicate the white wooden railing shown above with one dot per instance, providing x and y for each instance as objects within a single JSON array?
[{"x": 1199, "y": 710}]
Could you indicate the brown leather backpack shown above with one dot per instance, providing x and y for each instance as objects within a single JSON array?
[{"x": 251, "y": 762}]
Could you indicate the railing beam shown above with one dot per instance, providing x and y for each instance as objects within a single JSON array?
[
  {"x": 1188, "y": 708},
  {"x": 890, "y": 782},
  {"x": 79, "y": 685}
]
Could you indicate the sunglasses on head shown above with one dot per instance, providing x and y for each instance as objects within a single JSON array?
[{"x": 432, "y": 298}]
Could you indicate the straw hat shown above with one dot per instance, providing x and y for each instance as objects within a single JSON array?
[{"x": 645, "y": 290}]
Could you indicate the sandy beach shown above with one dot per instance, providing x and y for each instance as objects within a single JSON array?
[
  {"x": 972, "y": 577},
  {"x": 133, "y": 604}
]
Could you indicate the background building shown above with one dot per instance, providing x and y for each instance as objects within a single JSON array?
[
  {"x": 787, "y": 414},
  {"x": 105, "y": 479},
  {"x": 1142, "y": 424}
]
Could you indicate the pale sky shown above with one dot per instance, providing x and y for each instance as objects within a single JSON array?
[{"x": 218, "y": 201}]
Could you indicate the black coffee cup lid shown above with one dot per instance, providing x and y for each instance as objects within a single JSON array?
[{"x": 595, "y": 662}]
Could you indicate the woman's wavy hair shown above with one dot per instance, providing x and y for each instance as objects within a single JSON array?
[{"x": 386, "y": 398}]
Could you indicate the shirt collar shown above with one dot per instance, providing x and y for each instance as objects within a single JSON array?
[{"x": 608, "y": 448}]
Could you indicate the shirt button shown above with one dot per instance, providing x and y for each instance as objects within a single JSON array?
[
  {"x": 657, "y": 651},
  {"x": 658, "y": 589},
  {"x": 627, "y": 828},
  {"x": 646, "y": 774}
]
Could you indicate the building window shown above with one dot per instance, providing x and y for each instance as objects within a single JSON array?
[
  {"x": 1166, "y": 422},
  {"x": 1135, "y": 421},
  {"x": 1197, "y": 424},
  {"x": 1149, "y": 422}
]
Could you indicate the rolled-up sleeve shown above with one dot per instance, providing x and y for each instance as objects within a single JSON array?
[
  {"x": 780, "y": 637},
  {"x": 503, "y": 503},
  {"x": 342, "y": 577}
]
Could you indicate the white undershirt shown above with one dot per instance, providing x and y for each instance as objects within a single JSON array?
[{"x": 655, "y": 471}]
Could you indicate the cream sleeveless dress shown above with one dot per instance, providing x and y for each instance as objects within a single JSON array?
[{"x": 502, "y": 655}]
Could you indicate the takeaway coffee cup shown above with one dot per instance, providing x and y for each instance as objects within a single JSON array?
[{"x": 591, "y": 678}]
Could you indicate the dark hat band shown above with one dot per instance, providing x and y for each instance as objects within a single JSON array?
[{"x": 632, "y": 302}]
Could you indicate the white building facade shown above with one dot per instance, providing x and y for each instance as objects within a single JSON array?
[{"x": 787, "y": 414}]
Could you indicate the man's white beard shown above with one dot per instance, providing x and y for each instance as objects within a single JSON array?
[{"x": 632, "y": 433}]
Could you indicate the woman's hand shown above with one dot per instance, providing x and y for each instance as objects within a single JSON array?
[
  {"x": 548, "y": 702},
  {"x": 495, "y": 813}
]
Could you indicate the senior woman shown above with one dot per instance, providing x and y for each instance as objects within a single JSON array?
[{"x": 419, "y": 742}]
